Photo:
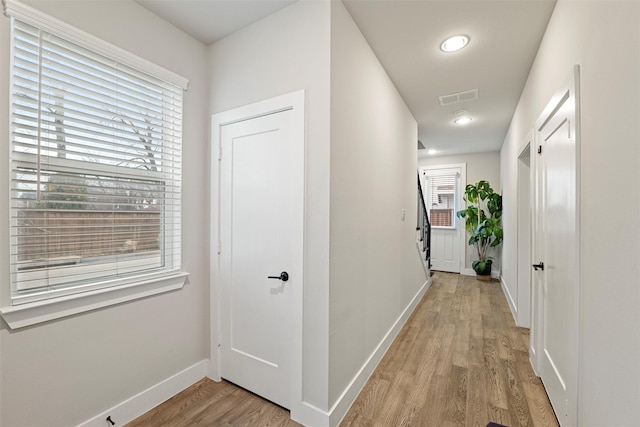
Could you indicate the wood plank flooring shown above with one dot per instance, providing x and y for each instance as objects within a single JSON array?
[
  {"x": 459, "y": 361},
  {"x": 209, "y": 403}
]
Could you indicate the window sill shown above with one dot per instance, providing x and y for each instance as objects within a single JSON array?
[{"x": 30, "y": 314}]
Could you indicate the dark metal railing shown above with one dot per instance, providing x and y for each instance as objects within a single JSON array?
[{"x": 424, "y": 226}]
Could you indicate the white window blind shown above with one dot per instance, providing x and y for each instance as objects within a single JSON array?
[
  {"x": 441, "y": 197},
  {"x": 95, "y": 169}
]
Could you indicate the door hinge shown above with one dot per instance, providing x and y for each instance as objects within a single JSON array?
[
  {"x": 539, "y": 149},
  {"x": 219, "y": 152},
  {"x": 219, "y": 247}
]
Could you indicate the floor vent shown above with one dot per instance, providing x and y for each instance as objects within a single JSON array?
[{"x": 455, "y": 98}]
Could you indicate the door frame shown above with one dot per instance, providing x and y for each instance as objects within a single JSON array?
[
  {"x": 537, "y": 230},
  {"x": 294, "y": 101},
  {"x": 525, "y": 230},
  {"x": 462, "y": 232},
  {"x": 570, "y": 89}
]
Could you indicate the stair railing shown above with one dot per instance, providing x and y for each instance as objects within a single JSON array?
[{"x": 424, "y": 226}]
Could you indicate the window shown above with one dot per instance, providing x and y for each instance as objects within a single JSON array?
[
  {"x": 441, "y": 198},
  {"x": 95, "y": 163}
]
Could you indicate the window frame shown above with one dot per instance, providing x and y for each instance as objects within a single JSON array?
[
  {"x": 431, "y": 173},
  {"x": 120, "y": 290}
]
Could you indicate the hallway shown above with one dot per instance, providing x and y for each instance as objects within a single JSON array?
[{"x": 459, "y": 361}]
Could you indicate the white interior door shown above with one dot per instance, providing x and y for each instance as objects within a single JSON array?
[
  {"x": 558, "y": 251},
  {"x": 260, "y": 232},
  {"x": 442, "y": 187},
  {"x": 445, "y": 252}
]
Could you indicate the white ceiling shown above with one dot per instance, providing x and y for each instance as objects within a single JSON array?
[
  {"x": 505, "y": 35},
  {"x": 211, "y": 20},
  {"x": 405, "y": 35}
]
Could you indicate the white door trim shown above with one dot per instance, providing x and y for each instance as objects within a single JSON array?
[
  {"x": 294, "y": 101},
  {"x": 460, "y": 202},
  {"x": 524, "y": 232}
]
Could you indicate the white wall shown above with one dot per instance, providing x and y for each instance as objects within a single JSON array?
[
  {"x": 603, "y": 38},
  {"x": 78, "y": 367},
  {"x": 64, "y": 372},
  {"x": 282, "y": 53},
  {"x": 480, "y": 166},
  {"x": 361, "y": 264},
  {"x": 375, "y": 266}
]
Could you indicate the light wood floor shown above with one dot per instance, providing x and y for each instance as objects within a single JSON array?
[
  {"x": 208, "y": 403},
  {"x": 459, "y": 361}
]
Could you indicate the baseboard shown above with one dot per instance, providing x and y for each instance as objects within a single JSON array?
[
  {"x": 142, "y": 402},
  {"x": 348, "y": 396},
  {"x": 312, "y": 416},
  {"x": 512, "y": 303},
  {"x": 532, "y": 360},
  {"x": 467, "y": 272},
  {"x": 470, "y": 272}
]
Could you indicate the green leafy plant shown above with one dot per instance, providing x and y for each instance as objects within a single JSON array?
[
  {"x": 483, "y": 221},
  {"x": 65, "y": 192}
]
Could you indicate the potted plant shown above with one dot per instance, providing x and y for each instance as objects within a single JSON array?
[{"x": 483, "y": 222}]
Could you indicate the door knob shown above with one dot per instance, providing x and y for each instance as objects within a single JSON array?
[
  {"x": 538, "y": 266},
  {"x": 284, "y": 276}
]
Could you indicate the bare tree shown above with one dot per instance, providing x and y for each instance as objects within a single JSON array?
[
  {"x": 58, "y": 119},
  {"x": 148, "y": 144}
]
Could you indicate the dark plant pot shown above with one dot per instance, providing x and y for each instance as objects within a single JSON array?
[{"x": 483, "y": 269}]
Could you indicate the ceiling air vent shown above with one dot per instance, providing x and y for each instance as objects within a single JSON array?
[{"x": 454, "y": 98}]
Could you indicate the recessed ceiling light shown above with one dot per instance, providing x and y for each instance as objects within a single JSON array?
[
  {"x": 431, "y": 152},
  {"x": 461, "y": 118},
  {"x": 455, "y": 43}
]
